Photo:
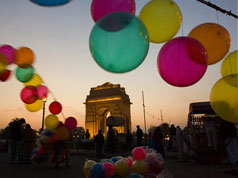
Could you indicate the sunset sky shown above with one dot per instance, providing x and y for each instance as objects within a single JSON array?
[{"x": 59, "y": 37}]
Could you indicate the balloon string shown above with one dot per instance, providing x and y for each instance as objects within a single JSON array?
[
  {"x": 217, "y": 17},
  {"x": 182, "y": 27}
]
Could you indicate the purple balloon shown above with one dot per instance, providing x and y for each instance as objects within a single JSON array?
[
  {"x": 100, "y": 8},
  {"x": 42, "y": 91},
  {"x": 70, "y": 123},
  {"x": 9, "y": 52},
  {"x": 182, "y": 61}
]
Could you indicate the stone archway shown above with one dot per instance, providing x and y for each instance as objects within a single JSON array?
[{"x": 103, "y": 101}]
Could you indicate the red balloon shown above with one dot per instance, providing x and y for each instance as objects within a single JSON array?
[
  {"x": 138, "y": 153},
  {"x": 29, "y": 94},
  {"x": 129, "y": 161},
  {"x": 5, "y": 75},
  {"x": 109, "y": 169},
  {"x": 42, "y": 91},
  {"x": 55, "y": 107},
  {"x": 70, "y": 123},
  {"x": 154, "y": 165}
]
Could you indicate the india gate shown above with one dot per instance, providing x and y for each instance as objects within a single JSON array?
[{"x": 107, "y": 104}]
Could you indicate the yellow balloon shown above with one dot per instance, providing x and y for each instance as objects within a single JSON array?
[
  {"x": 139, "y": 166},
  {"x": 62, "y": 133},
  {"x": 3, "y": 67},
  {"x": 87, "y": 167},
  {"x": 35, "y": 81},
  {"x": 224, "y": 98},
  {"x": 36, "y": 106},
  {"x": 215, "y": 38},
  {"x": 44, "y": 139},
  {"x": 24, "y": 57},
  {"x": 3, "y": 59},
  {"x": 51, "y": 122},
  {"x": 230, "y": 64},
  {"x": 162, "y": 19},
  {"x": 121, "y": 167}
]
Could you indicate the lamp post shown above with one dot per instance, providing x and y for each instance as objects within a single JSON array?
[{"x": 43, "y": 116}]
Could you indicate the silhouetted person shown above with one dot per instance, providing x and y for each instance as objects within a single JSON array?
[
  {"x": 228, "y": 133},
  {"x": 172, "y": 133},
  {"x": 87, "y": 134},
  {"x": 157, "y": 141},
  {"x": 29, "y": 138},
  {"x": 99, "y": 142},
  {"x": 16, "y": 140},
  {"x": 139, "y": 135},
  {"x": 128, "y": 139},
  {"x": 111, "y": 140}
]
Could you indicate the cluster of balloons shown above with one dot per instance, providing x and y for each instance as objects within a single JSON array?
[
  {"x": 224, "y": 93},
  {"x": 142, "y": 164},
  {"x": 56, "y": 131}
]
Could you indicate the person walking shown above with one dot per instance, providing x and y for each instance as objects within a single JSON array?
[
  {"x": 87, "y": 134},
  {"x": 139, "y": 135},
  {"x": 99, "y": 142},
  {"x": 179, "y": 139},
  {"x": 128, "y": 140},
  {"x": 157, "y": 141},
  {"x": 111, "y": 140},
  {"x": 29, "y": 138},
  {"x": 16, "y": 140}
]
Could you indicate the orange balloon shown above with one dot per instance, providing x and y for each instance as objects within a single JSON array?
[
  {"x": 215, "y": 38},
  {"x": 62, "y": 133},
  {"x": 24, "y": 57}
]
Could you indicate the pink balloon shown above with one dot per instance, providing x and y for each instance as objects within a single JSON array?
[
  {"x": 41, "y": 150},
  {"x": 109, "y": 169},
  {"x": 70, "y": 123},
  {"x": 42, "y": 91},
  {"x": 100, "y": 8},
  {"x": 182, "y": 61},
  {"x": 129, "y": 161},
  {"x": 9, "y": 52},
  {"x": 29, "y": 94},
  {"x": 138, "y": 153}
]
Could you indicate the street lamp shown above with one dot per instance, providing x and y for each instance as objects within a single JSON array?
[{"x": 43, "y": 116}]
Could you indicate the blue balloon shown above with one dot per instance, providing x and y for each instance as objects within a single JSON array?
[
  {"x": 115, "y": 159},
  {"x": 50, "y": 3},
  {"x": 47, "y": 133},
  {"x": 44, "y": 157},
  {"x": 97, "y": 171},
  {"x": 135, "y": 175}
]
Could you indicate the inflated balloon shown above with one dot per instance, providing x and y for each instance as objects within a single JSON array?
[
  {"x": 70, "y": 123},
  {"x": 24, "y": 57},
  {"x": 44, "y": 139},
  {"x": 153, "y": 164},
  {"x": 98, "y": 170},
  {"x": 230, "y": 64},
  {"x": 4, "y": 76},
  {"x": 47, "y": 132},
  {"x": 119, "y": 48},
  {"x": 87, "y": 167},
  {"x": 50, "y": 3},
  {"x": 62, "y": 133},
  {"x": 35, "y": 80},
  {"x": 115, "y": 159},
  {"x": 55, "y": 107},
  {"x": 42, "y": 91},
  {"x": 215, "y": 38},
  {"x": 41, "y": 150},
  {"x": 100, "y": 8},
  {"x": 24, "y": 74},
  {"x": 139, "y": 166},
  {"x": 182, "y": 61},
  {"x": 121, "y": 167},
  {"x": 223, "y": 98},
  {"x": 162, "y": 19},
  {"x": 7, "y": 54},
  {"x": 138, "y": 153},
  {"x": 36, "y": 106},
  {"x": 109, "y": 169},
  {"x": 3, "y": 67},
  {"x": 29, "y": 94},
  {"x": 51, "y": 121},
  {"x": 135, "y": 175},
  {"x": 129, "y": 161}
]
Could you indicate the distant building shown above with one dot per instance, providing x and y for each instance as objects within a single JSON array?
[{"x": 104, "y": 101}]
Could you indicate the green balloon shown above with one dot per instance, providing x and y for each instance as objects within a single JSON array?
[
  {"x": 119, "y": 42},
  {"x": 24, "y": 74}
]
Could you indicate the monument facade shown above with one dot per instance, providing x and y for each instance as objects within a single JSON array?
[{"x": 104, "y": 101}]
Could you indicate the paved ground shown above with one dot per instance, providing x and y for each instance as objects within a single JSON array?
[{"x": 176, "y": 169}]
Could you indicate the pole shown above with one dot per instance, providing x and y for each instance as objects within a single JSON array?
[
  {"x": 43, "y": 116},
  {"x": 161, "y": 116},
  {"x": 144, "y": 110}
]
